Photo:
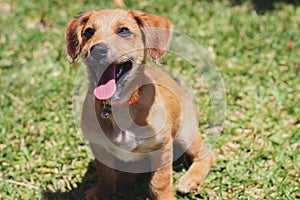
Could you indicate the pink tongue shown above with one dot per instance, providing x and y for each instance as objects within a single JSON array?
[
  {"x": 106, "y": 86},
  {"x": 105, "y": 91}
]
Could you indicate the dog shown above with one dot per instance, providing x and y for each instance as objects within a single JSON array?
[{"x": 133, "y": 113}]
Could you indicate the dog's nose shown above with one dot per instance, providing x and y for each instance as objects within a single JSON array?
[{"x": 99, "y": 51}]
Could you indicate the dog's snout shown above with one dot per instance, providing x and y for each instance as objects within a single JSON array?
[{"x": 99, "y": 51}]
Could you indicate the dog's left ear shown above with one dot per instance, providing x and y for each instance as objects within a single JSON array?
[
  {"x": 157, "y": 32},
  {"x": 73, "y": 34}
]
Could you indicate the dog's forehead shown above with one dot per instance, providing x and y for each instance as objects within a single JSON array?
[{"x": 111, "y": 17}]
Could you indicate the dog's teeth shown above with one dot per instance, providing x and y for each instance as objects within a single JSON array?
[{"x": 119, "y": 72}]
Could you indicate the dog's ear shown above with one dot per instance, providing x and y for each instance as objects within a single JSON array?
[
  {"x": 157, "y": 32},
  {"x": 73, "y": 34}
]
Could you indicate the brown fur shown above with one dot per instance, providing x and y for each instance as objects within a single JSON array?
[{"x": 177, "y": 119}]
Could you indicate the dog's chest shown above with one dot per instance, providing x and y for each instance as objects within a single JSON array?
[
  {"x": 123, "y": 148},
  {"x": 127, "y": 140},
  {"x": 130, "y": 142},
  {"x": 122, "y": 137}
]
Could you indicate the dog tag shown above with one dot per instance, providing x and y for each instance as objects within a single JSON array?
[
  {"x": 105, "y": 113},
  {"x": 106, "y": 110}
]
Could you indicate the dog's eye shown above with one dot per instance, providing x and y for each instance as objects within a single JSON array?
[
  {"x": 88, "y": 33},
  {"x": 123, "y": 32}
]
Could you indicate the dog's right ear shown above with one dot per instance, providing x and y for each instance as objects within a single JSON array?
[
  {"x": 157, "y": 32},
  {"x": 73, "y": 34}
]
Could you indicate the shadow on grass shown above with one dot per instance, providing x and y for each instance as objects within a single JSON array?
[
  {"x": 136, "y": 190},
  {"x": 262, "y": 6}
]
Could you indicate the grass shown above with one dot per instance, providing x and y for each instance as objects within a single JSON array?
[{"x": 256, "y": 52}]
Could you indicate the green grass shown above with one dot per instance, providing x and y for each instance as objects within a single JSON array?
[{"x": 258, "y": 151}]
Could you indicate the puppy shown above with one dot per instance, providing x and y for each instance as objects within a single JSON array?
[{"x": 133, "y": 113}]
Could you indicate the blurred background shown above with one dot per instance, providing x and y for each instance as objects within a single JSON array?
[{"x": 256, "y": 47}]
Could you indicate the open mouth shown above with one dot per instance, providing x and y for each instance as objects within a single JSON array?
[
  {"x": 122, "y": 69},
  {"x": 107, "y": 83}
]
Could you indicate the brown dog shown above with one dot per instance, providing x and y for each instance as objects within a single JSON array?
[{"x": 133, "y": 113}]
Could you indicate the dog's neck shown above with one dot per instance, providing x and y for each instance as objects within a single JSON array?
[
  {"x": 133, "y": 100},
  {"x": 140, "y": 103}
]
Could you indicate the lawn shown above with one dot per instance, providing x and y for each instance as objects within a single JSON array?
[{"x": 256, "y": 50}]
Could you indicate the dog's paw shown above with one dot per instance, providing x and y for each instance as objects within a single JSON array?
[
  {"x": 188, "y": 184},
  {"x": 92, "y": 194}
]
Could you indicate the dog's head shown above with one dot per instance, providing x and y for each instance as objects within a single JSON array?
[{"x": 114, "y": 42}]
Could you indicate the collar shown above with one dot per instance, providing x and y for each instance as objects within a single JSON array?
[
  {"x": 106, "y": 106},
  {"x": 132, "y": 100}
]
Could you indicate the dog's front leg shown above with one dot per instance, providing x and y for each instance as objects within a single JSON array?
[
  {"x": 107, "y": 182},
  {"x": 161, "y": 179}
]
